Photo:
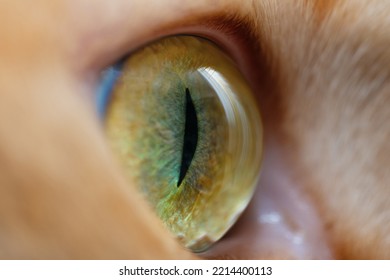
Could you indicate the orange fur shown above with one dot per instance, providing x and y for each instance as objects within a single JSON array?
[{"x": 320, "y": 70}]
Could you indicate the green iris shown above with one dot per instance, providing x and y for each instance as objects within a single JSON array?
[{"x": 186, "y": 129}]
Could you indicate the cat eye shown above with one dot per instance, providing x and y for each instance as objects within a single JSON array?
[{"x": 183, "y": 122}]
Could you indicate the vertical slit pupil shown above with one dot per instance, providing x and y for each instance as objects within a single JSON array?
[{"x": 190, "y": 139}]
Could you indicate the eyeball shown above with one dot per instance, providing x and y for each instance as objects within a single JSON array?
[{"x": 185, "y": 126}]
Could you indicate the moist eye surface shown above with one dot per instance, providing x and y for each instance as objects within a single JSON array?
[
  {"x": 190, "y": 136},
  {"x": 183, "y": 123}
]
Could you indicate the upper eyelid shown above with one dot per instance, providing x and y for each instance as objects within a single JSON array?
[
  {"x": 227, "y": 27},
  {"x": 102, "y": 44},
  {"x": 230, "y": 30}
]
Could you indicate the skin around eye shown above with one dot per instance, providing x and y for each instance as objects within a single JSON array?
[{"x": 183, "y": 123}]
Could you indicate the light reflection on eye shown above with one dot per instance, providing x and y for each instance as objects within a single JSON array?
[{"x": 184, "y": 124}]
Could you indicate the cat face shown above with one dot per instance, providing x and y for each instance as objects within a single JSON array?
[{"x": 320, "y": 73}]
